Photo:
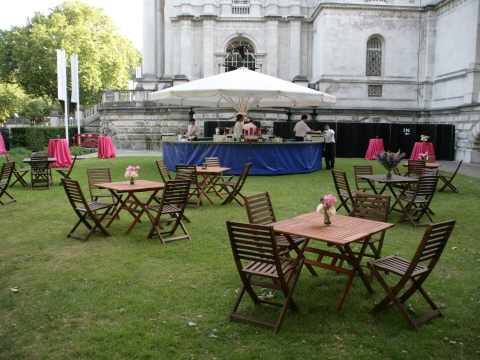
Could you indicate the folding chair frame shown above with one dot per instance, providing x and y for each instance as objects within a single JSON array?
[
  {"x": 85, "y": 211},
  {"x": 413, "y": 274},
  {"x": 256, "y": 244},
  {"x": 346, "y": 196},
  {"x": 19, "y": 174},
  {"x": 5, "y": 177},
  {"x": 173, "y": 202},
  {"x": 65, "y": 173},
  {"x": 234, "y": 192},
  {"x": 447, "y": 179}
]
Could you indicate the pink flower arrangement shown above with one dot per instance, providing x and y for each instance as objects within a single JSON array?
[
  {"x": 327, "y": 205},
  {"x": 423, "y": 156},
  {"x": 131, "y": 172}
]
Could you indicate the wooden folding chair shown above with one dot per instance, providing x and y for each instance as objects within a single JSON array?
[
  {"x": 172, "y": 204},
  {"x": 196, "y": 190},
  {"x": 215, "y": 161},
  {"x": 260, "y": 212},
  {"x": 65, "y": 173},
  {"x": 346, "y": 196},
  {"x": 181, "y": 174},
  {"x": 19, "y": 174},
  {"x": 372, "y": 207},
  {"x": 447, "y": 179},
  {"x": 85, "y": 211},
  {"x": 415, "y": 168},
  {"x": 413, "y": 274},
  {"x": 163, "y": 170},
  {"x": 40, "y": 174},
  {"x": 258, "y": 261},
  {"x": 431, "y": 159},
  {"x": 418, "y": 203},
  {"x": 99, "y": 176},
  {"x": 41, "y": 153},
  {"x": 5, "y": 177},
  {"x": 362, "y": 184},
  {"x": 233, "y": 189}
]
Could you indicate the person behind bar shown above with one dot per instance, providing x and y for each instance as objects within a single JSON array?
[
  {"x": 329, "y": 151},
  {"x": 250, "y": 125},
  {"x": 193, "y": 130},
  {"x": 238, "y": 128},
  {"x": 301, "y": 129}
]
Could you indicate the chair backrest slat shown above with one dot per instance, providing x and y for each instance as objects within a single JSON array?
[
  {"x": 432, "y": 245},
  {"x": 341, "y": 182},
  {"x": 163, "y": 170},
  {"x": 371, "y": 207},
  {"x": 362, "y": 170},
  {"x": 259, "y": 208},
  {"x": 415, "y": 167},
  {"x": 193, "y": 169},
  {"x": 426, "y": 186},
  {"x": 175, "y": 193},
  {"x": 7, "y": 171},
  {"x": 212, "y": 161}
]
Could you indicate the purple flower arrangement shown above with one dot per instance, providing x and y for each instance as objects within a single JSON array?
[{"x": 389, "y": 160}]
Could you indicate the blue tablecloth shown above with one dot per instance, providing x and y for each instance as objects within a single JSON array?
[{"x": 266, "y": 158}]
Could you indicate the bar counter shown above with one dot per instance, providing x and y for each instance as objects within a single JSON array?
[{"x": 267, "y": 158}]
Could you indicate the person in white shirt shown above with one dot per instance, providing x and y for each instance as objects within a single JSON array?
[
  {"x": 193, "y": 130},
  {"x": 249, "y": 126},
  {"x": 329, "y": 151},
  {"x": 238, "y": 128},
  {"x": 301, "y": 129}
]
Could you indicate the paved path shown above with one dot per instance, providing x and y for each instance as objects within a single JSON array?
[{"x": 468, "y": 169}]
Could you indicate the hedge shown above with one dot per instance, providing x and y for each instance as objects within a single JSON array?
[{"x": 37, "y": 138}]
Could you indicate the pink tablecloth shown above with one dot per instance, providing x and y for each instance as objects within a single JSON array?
[
  {"x": 105, "y": 148},
  {"x": 422, "y": 148},
  {"x": 375, "y": 146},
  {"x": 58, "y": 148},
  {"x": 2, "y": 146}
]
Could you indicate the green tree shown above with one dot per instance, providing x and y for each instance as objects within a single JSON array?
[{"x": 28, "y": 53}]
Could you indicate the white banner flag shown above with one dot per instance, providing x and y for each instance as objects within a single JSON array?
[
  {"x": 74, "y": 72},
  {"x": 61, "y": 75}
]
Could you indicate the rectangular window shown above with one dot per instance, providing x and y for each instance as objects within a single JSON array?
[{"x": 375, "y": 90}]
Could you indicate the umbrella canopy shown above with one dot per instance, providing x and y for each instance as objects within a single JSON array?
[{"x": 242, "y": 89}]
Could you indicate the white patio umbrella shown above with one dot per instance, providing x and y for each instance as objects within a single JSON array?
[{"x": 242, "y": 89}]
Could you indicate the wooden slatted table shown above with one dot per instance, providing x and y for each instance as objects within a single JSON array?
[
  {"x": 210, "y": 174},
  {"x": 131, "y": 203},
  {"x": 344, "y": 231},
  {"x": 389, "y": 183}
]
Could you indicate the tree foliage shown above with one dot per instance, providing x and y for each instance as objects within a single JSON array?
[{"x": 28, "y": 53}]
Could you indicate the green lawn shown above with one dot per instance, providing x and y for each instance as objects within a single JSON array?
[{"x": 130, "y": 297}]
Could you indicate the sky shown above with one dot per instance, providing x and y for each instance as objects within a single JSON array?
[{"x": 127, "y": 15}]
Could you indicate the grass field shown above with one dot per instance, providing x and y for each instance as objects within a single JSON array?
[{"x": 130, "y": 297}]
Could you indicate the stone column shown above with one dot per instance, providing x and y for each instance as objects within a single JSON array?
[
  {"x": 149, "y": 38},
  {"x": 186, "y": 48},
  {"x": 272, "y": 45},
  {"x": 294, "y": 48},
  {"x": 208, "y": 36}
]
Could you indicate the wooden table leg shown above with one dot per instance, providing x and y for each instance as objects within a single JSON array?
[{"x": 143, "y": 209}]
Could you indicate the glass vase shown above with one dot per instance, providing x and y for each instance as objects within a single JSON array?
[
  {"x": 389, "y": 173},
  {"x": 326, "y": 219},
  {"x": 132, "y": 181}
]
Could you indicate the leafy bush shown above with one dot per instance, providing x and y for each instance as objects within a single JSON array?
[
  {"x": 17, "y": 155},
  {"x": 37, "y": 138},
  {"x": 78, "y": 150}
]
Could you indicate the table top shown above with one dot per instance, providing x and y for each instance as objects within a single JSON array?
[
  {"x": 393, "y": 179},
  {"x": 28, "y": 160},
  {"x": 430, "y": 165},
  {"x": 344, "y": 229},
  {"x": 139, "y": 186},
  {"x": 212, "y": 170}
]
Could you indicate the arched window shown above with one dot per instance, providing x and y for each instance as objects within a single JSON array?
[
  {"x": 374, "y": 57},
  {"x": 232, "y": 60}
]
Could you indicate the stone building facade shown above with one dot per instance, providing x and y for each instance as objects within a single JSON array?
[{"x": 404, "y": 61}]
